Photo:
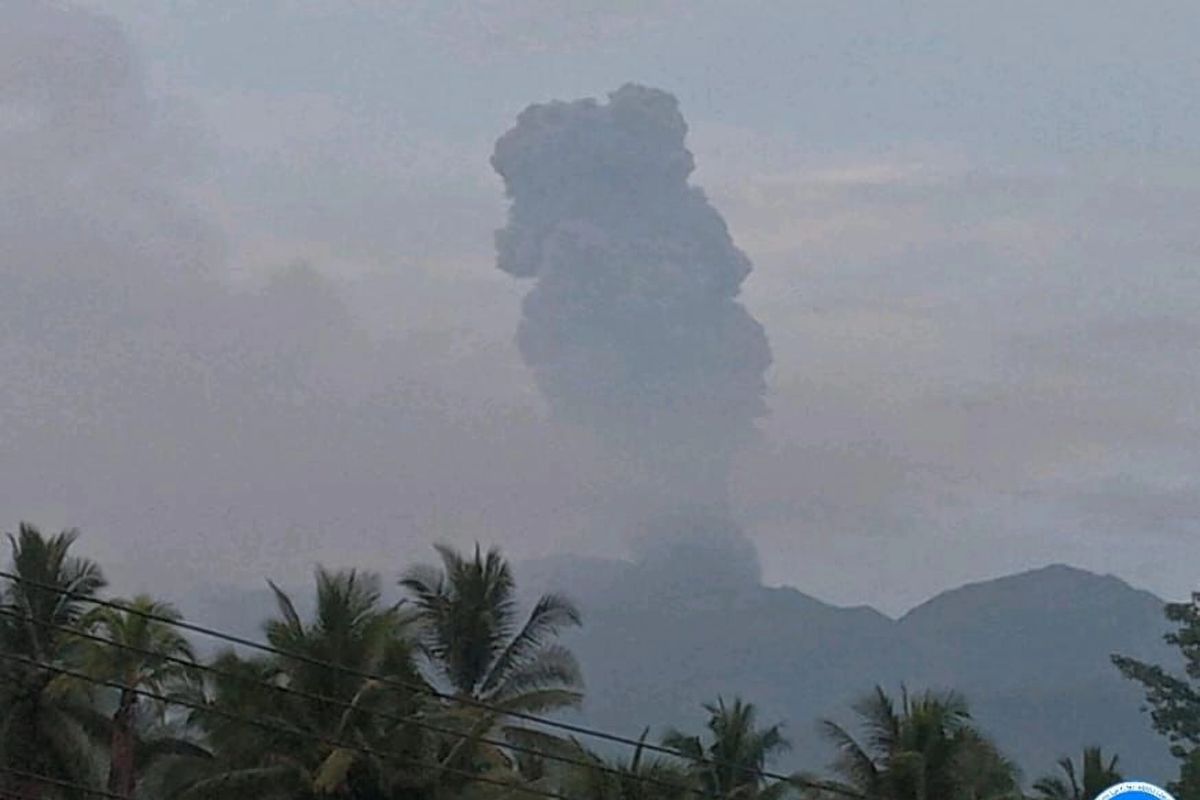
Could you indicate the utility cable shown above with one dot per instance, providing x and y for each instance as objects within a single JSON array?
[
  {"x": 343, "y": 704},
  {"x": 395, "y": 682},
  {"x": 269, "y": 726}
]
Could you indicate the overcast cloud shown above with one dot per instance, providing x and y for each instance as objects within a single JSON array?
[{"x": 250, "y": 315}]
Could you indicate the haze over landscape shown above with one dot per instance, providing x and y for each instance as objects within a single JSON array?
[
  {"x": 272, "y": 332},
  {"x": 759, "y": 334}
]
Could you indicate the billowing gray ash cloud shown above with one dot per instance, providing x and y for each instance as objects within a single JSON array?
[{"x": 633, "y": 327}]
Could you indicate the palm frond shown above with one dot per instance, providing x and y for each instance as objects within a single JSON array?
[
  {"x": 287, "y": 609},
  {"x": 1051, "y": 788},
  {"x": 541, "y": 700},
  {"x": 690, "y": 746},
  {"x": 550, "y": 614},
  {"x": 151, "y": 749},
  {"x": 277, "y": 781},
  {"x": 877, "y": 711},
  {"x": 552, "y": 667},
  {"x": 853, "y": 762}
]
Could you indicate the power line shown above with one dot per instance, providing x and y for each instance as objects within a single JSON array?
[
  {"x": 183, "y": 662},
  {"x": 269, "y": 726},
  {"x": 395, "y": 682},
  {"x": 78, "y": 787}
]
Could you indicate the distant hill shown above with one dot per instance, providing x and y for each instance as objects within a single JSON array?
[{"x": 1030, "y": 651}]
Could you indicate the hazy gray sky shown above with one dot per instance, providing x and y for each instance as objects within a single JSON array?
[{"x": 251, "y": 317}]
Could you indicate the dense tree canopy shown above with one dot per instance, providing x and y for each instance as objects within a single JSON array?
[
  {"x": 731, "y": 764},
  {"x": 922, "y": 748},
  {"x": 49, "y": 720},
  {"x": 1174, "y": 700},
  {"x": 1094, "y": 775},
  {"x": 437, "y": 695}
]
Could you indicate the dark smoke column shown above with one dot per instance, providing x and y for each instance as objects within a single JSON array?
[{"x": 632, "y": 327}]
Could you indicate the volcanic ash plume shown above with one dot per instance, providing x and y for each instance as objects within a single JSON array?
[{"x": 632, "y": 327}]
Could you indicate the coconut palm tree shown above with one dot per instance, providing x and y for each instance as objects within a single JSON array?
[
  {"x": 476, "y": 646},
  {"x": 49, "y": 725},
  {"x": 470, "y": 632},
  {"x": 732, "y": 763},
  {"x": 1094, "y": 776},
  {"x": 923, "y": 749},
  {"x": 983, "y": 772},
  {"x": 145, "y": 655},
  {"x": 637, "y": 778},
  {"x": 325, "y": 738}
]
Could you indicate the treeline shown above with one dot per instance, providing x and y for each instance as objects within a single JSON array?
[{"x": 444, "y": 695}]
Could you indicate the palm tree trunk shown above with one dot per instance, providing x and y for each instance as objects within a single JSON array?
[
  {"x": 26, "y": 756},
  {"x": 121, "y": 776}
]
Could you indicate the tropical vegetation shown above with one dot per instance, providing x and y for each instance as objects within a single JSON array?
[
  {"x": 1086, "y": 783},
  {"x": 1174, "y": 699},
  {"x": 442, "y": 692},
  {"x": 921, "y": 747}
]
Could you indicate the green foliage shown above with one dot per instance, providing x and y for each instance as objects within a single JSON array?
[
  {"x": 49, "y": 723},
  {"x": 637, "y": 778},
  {"x": 469, "y": 623},
  {"x": 1188, "y": 785},
  {"x": 925, "y": 748},
  {"x": 731, "y": 764},
  {"x": 474, "y": 641},
  {"x": 139, "y": 635},
  {"x": 1094, "y": 776},
  {"x": 346, "y": 709},
  {"x": 337, "y": 734},
  {"x": 1174, "y": 700},
  {"x": 147, "y": 657}
]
